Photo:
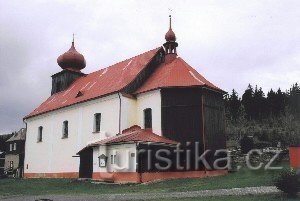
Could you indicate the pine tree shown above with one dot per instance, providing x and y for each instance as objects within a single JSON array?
[
  {"x": 271, "y": 102},
  {"x": 247, "y": 101},
  {"x": 234, "y": 105},
  {"x": 294, "y": 100}
]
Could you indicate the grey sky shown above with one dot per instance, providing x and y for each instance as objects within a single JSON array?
[{"x": 231, "y": 43}]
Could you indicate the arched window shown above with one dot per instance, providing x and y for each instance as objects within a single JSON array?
[
  {"x": 148, "y": 118},
  {"x": 65, "y": 129},
  {"x": 40, "y": 134},
  {"x": 97, "y": 122}
]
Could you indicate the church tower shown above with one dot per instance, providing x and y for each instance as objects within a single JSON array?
[
  {"x": 170, "y": 44},
  {"x": 72, "y": 62}
]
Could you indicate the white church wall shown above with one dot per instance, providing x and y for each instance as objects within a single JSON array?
[
  {"x": 54, "y": 154},
  {"x": 151, "y": 100},
  {"x": 129, "y": 112}
]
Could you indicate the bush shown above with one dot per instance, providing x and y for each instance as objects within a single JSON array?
[{"x": 288, "y": 182}]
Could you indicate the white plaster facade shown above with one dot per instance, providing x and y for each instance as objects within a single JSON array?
[
  {"x": 55, "y": 154},
  {"x": 125, "y": 158}
]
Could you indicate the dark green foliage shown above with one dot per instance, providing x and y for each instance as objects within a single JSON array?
[
  {"x": 233, "y": 105},
  {"x": 289, "y": 182},
  {"x": 257, "y": 106},
  {"x": 294, "y": 100},
  {"x": 247, "y": 101},
  {"x": 247, "y": 144},
  {"x": 271, "y": 119}
]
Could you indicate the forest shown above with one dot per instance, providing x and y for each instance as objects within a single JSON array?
[{"x": 271, "y": 119}]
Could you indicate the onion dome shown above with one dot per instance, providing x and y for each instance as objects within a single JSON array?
[
  {"x": 71, "y": 59},
  {"x": 170, "y": 35}
]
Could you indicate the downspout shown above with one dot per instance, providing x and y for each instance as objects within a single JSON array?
[
  {"x": 24, "y": 165},
  {"x": 138, "y": 162},
  {"x": 120, "y": 108}
]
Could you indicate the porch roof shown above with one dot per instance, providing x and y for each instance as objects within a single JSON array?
[{"x": 133, "y": 134}]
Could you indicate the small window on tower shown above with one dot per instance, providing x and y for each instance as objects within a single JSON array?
[
  {"x": 65, "y": 129},
  {"x": 148, "y": 118},
  {"x": 97, "y": 122},
  {"x": 40, "y": 134}
]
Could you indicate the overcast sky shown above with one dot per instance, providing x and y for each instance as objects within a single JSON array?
[{"x": 231, "y": 43}]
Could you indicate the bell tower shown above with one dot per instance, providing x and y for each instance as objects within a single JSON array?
[
  {"x": 170, "y": 44},
  {"x": 71, "y": 62}
]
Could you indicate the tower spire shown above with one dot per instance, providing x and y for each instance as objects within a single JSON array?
[
  {"x": 170, "y": 44},
  {"x": 73, "y": 39}
]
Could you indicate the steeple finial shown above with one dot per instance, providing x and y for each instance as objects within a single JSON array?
[
  {"x": 170, "y": 44},
  {"x": 73, "y": 39}
]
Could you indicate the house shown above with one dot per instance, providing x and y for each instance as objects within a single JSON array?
[
  {"x": 102, "y": 125},
  {"x": 2, "y": 162},
  {"x": 14, "y": 158},
  {"x": 3, "y": 139}
]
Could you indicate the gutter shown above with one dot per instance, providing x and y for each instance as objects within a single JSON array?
[
  {"x": 24, "y": 165},
  {"x": 138, "y": 161},
  {"x": 120, "y": 108}
]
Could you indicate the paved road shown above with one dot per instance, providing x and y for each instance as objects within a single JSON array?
[{"x": 149, "y": 196}]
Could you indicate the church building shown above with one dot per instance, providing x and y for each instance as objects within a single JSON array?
[{"x": 123, "y": 123}]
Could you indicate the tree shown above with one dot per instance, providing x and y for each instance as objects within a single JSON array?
[
  {"x": 280, "y": 102},
  {"x": 271, "y": 102},
  {"x": 247, "y": 101},
  {"x": 259, "y": 104},
  {"x": 294, "y": 100},
  {"x": 234, "y": 104}
]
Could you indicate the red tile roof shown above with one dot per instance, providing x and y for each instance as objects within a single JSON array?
[
  {"x": 96, "y": 84},
  {"x": 114, "y": 78},
  {"x": 175, "y": 74},
  {"x": 135, "y": 134}
]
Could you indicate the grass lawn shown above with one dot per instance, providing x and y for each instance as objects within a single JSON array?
[
  {"x": 271, "y": 197},
  {"x": 243, "y": 178}
]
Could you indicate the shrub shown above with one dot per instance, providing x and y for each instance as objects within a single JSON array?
[{"x": 288, "y": 181}]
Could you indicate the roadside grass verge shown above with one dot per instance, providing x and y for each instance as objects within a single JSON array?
[{"x": 240, "y": 179}]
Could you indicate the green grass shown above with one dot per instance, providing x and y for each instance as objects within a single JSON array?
[
  {"x": 271, "y": 197},
  {"x": 243, "y": 178}
]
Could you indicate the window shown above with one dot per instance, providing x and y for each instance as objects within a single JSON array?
[
  {"x": 148, "y": 118},
  {"x": 112, "y": 159},
  {"x": 15, "y": 146},
  {"x": 40, "y": 134},
  {"x": 65, "y": 129},
  {"x": 10, "y": 147},
  {"x": 97, "y": 122}
]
